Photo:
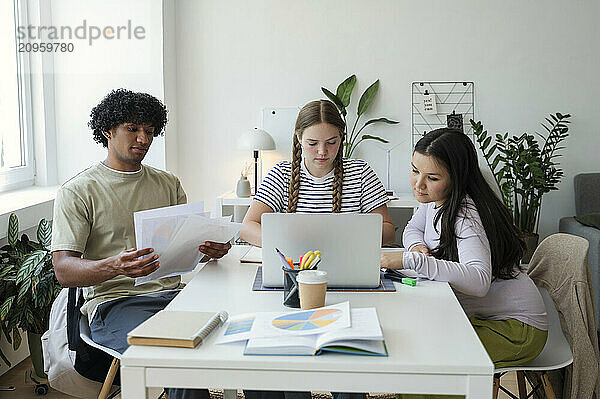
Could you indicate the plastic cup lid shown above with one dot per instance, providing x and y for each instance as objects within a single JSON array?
[{"x": 312, "y": 277}]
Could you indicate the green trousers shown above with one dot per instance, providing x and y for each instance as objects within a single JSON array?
[{"x": 508, "y": 343}]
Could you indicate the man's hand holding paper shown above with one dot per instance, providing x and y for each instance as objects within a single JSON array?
[
  {"x": 178, "y": 232},
  {"x": 214, "y": 250}
]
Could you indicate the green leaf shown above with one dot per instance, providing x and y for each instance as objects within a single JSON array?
[
  {"x": 338, "y": 103},
  {"x": 378, "y": 120},
  {"x": 6, "y": 270},
  {"x": 495, "y": 163},
  {"x": 369, "y": 137},
  {"x": 482, "y": 136},
  {"x": 46, "y": 262},
  {"x": 24, "y": 290},
  {"x": 16, "y": 338},
  {"x": 29, "y": 264},
  {"x": 367, "y": 98},
  {"x": 491, "y": 151},
  {"x": 6, "y": 307},
  {"x": 13, "y": 229},
  {"x": 486, "y": 143},
  {"x": 44, "y": 233},
  {"x": 344, "y": 90}
]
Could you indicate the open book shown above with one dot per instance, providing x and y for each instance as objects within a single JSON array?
[
  {"x": 176, "y": 328},
  {"x": 364, "y": 337}
]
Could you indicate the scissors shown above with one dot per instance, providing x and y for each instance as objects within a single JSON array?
[{"x": 310, "y": 259}]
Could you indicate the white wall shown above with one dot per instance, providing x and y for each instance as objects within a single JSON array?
[
  {"x": 84, "y": 77},
  {"x": 527, "y": 59}
]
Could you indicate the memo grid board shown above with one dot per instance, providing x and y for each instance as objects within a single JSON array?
[{"x": 450, "y": 97}]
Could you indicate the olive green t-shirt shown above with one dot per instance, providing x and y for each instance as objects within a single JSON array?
[{"x": 93, "y": 214}]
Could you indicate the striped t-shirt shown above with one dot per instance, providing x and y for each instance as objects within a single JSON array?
[{"x": 362, "y": 190}]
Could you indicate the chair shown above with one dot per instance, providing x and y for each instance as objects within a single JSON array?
[
  {"x": 587, "y": 200},
  {"x": 91, "y": 359},
  {"x": 84, "y": 333},
  {"x": 555, "y": 355}
]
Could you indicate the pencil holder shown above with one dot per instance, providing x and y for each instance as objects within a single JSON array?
[{"x": 290, "y": 288}]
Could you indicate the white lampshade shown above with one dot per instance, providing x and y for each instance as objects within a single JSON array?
[{"x": 256, "y": 139}]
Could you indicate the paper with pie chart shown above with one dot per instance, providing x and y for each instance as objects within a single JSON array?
[
  {"x": 304, "y": 322},
  {"x": 308, "y": 320}
]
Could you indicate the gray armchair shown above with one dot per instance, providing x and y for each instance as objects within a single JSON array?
[{"x": 587, "y": 200}]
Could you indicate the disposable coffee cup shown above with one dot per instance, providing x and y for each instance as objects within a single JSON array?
[{"x": 312, "y": 285}]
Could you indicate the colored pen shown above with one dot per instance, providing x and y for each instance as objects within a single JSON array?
[
  {"x": 283, "y": 259},
  {"x": 290, "y": 262}
]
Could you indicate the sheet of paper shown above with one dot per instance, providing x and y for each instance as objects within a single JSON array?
[
  {"x": 237, "y": 328},
  {"x": 253, "y": 255},
  {"x": 157, "y": 232},
  {"x": 144, "y": 237},
  {"x": 428, "y": 104},
  {"x": 182, "y": 255},
  {"x": 303, "y": 322}
]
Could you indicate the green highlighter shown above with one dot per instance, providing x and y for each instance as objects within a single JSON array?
[{"x": 409, "y": 281}]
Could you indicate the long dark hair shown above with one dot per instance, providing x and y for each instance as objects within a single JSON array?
[{"x": 456, "y": 152}]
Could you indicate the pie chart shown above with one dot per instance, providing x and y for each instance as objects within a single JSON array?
[{"x": 309, "y": 320}]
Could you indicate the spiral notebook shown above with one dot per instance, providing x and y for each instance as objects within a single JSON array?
[{"x": 192, "y": 328}]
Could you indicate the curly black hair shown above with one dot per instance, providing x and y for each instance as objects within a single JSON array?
[{"x": 125, "y": 106}]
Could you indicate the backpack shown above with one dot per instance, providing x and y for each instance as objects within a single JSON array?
[{"x": 73, "y": 367}]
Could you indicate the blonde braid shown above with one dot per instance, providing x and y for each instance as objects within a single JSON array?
[
  {"x": 295, "y": 176},
  {"x": 338, "y": 180}
]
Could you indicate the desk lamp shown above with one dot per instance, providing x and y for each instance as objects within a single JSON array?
[{"x": 256, "y": 139}]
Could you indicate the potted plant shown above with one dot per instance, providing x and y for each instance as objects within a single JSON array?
[
  {"x": 342, "y": 99},
  {"x": 28, "y": 287},
  {"x": 524, "y": 170}
]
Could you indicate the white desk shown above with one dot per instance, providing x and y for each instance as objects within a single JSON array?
[{"x": 432, "y": 347}]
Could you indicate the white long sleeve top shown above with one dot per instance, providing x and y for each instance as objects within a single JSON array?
[{"x": 471, "y": 277}]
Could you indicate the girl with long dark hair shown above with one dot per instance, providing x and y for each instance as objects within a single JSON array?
[{"x": 463, "y": 234}]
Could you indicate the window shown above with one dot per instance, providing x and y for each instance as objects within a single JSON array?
[{"x": 16, "y": 144}]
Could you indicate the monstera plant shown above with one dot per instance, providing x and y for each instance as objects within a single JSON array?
[
  {"x": 342, "y": 99},
  {"x": 28, "y": 287}
]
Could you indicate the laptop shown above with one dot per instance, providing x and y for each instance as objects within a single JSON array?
[{"x": 350, "y": 245}]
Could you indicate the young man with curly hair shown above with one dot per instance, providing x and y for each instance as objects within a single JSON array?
[{"x": 93, "y": 241}]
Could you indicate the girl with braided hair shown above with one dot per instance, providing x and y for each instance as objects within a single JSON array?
[{"x": 318, "y": 179}]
